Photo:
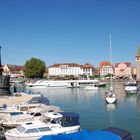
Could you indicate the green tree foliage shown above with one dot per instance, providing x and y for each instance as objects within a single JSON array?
[{"x": 34, "y": 68}]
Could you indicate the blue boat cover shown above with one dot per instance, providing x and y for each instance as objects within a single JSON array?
[
  {"x": 106, "y": 134},
  {"x": 81, "y": 135},
  {"x": 103, "y": 135}
]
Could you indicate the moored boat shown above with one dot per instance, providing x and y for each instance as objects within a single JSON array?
[
  {"x": 52, "y": 124},
  {"x": 131, "y": 88},
  {"x": 110, "y": 97},
  {"x": 91, "y": 87}
]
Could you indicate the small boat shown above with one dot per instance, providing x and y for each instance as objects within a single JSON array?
[
  {"x": 51, "y": 124},
  {"x": 110, "y": 97},
  {"x": 130, "y": 82},
  {"x": 33, "y": 103},
  {"x": 11, "y": 120},
  {"x": 131, "y": 88},
  {"x": 111, "y": 133},
  {"x": 26, "y": 93},
  {"x": 91, "y": 87}
]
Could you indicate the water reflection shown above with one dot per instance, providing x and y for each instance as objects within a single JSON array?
[{"x": 110, "y": 107}]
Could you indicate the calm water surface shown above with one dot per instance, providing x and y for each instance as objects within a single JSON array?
[{"x": 94, "y": 112}]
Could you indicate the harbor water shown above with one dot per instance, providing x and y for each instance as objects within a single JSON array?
[{"x": 94, "y": 112}]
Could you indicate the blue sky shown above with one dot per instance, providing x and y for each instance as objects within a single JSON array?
[{"x": 69, "y": 31}]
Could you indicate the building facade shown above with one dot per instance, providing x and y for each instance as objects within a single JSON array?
[
  {"x": 70, "y": 69},
  {"x": 64, "y": 69},
  {"x": 137, "y": 59},
  {"x": 123, "y": 69},
  {"x": 87, "y": 69},
  {"x": 13, "y": 70},
  {"x": 106, "y": 68}
]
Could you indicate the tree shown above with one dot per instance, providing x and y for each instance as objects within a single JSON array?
[{"x": 34, "y": 68}]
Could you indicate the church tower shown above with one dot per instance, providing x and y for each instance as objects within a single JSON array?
[{"x": 137, "y": 59}]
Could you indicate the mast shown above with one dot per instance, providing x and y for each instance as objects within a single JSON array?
[{"x": 110, "y": 45}]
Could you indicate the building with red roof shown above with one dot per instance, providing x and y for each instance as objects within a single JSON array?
[
  {"x": 13, "y": 70},
  {"x": 75, "y": 69},
  {"x": 106, "y": 68}
]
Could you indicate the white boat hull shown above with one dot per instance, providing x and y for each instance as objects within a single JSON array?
[
  {"x": 111, "y": 100},
  {"x": 43, "y": 84},
  {"x": 10, "y": 136},
  {"x": 91, "y": 88}
]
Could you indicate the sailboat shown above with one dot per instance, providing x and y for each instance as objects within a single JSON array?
[{"x": 110, "y": 95}]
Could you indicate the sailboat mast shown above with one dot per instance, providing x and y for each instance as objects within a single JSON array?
[{"x": 111, "y": 87}]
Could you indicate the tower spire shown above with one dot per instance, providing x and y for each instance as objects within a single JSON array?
[
  {"x": 138, "y": 54},
  {"x": 1, "y": 69}
]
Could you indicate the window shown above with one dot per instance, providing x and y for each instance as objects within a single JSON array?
[
  {"x": 24, "y": 109},
  {"x": 43, "y": 129},
  {"x": 20, "y": 129},
  {"x": 33, "y": 130},
  {"x": 37, "y": 114}
]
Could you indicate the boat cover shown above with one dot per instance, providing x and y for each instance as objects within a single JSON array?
[
  {"x": 106, "y": 134},
  {"x": 103, "y": 135},
  {"x": 81, "y": 135},
  {"x": 72, "y": 117},
  {"x": 41, "y": 100}
]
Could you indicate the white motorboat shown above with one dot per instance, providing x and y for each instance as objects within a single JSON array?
[
  {"x": 43, "y": 84},
  {"x": 11, "y": 120},
  {"x": 26, "y": 93},
  {"x": 52, "y": 124},
  {"x": 33, "y": 103},
  {"x": 131, "y": 88},
  {"x": 91, "y": 87}
]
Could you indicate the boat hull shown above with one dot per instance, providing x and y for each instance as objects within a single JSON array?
[
  {"x": 111, "y": 100},
  {"x": 13, "y": 136}
]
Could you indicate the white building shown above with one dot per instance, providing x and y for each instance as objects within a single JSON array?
[
  {"x": 87, "y": 69},
  {"x": 64, "y": 69},
  {"x": 106, "y": 68}
]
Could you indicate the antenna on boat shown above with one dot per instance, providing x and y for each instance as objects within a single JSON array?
[{"x": 111, "y": 87}]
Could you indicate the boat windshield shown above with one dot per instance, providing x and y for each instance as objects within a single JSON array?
[
  {"x": 20, "y": 129},
  {"x": 132, "y": 84}
]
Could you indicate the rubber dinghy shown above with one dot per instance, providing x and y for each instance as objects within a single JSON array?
[{"x": 110, "y": 133}]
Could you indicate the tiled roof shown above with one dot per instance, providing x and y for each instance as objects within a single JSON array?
[
  {"x": 128, "y": 64},
  {"x": 68, "y": 64},
  {"x": 15, "y": 67},
  {"x": 87, "y": 65},
  {"x": 105, "y": 63}
]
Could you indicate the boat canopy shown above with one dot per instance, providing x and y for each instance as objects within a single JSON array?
[
  {"x": 69, "y": 119},
  {"x": 70, "y": 114},
  {"x": 110, "y": 133},
  {"x": 41, "y": 100}
]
